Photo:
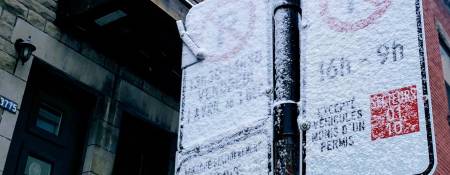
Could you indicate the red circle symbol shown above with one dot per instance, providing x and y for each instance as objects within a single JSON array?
[
  {"x": 380, "y": 8},
  {"x": 229, "y": 33}
]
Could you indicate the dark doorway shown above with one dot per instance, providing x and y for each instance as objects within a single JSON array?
[
  {"x": 144, "y": 149},
  {"x": 50, "y": 131}
]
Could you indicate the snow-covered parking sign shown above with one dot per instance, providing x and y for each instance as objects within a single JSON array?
[
  {"x": 365, "y": 92},
  {"x": 225, "y": 116}
]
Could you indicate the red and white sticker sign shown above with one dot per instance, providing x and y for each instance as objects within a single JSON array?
[
  {"x": 365, "y": 92},
  {"x": 394, "y": 113}
]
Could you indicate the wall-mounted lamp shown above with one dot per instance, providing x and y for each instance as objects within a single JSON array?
[{"x": 24, "y": 49}]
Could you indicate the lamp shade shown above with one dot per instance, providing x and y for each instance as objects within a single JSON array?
[{"x": 24, "y": 49}]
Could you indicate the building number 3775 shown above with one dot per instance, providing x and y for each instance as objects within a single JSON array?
[{"x": 8, "y": 105}]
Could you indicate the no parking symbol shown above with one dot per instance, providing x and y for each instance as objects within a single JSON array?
[{"x": 375, "y": 9}]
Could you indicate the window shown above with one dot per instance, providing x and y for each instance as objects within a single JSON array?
[
  {"x": 447, "y": 87},
  {"x": 49, "y": 119},
  {"x": 445, "y": 57},
  {"x": 35, "y": 166},
  {"x": 447, "y": 2}
]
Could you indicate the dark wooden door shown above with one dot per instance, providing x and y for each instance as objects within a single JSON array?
[
  {"x": 50, "y": 132},
  {"x": 144, "y": 149}
]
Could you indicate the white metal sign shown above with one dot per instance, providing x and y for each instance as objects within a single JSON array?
[
  {"x": 225, "y": 116},
  {"x": 365, "y": 88}
]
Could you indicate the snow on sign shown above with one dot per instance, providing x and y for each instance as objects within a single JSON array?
[
  {"x": 365, "y": 90},
  {"x": 225, "y": 117}
]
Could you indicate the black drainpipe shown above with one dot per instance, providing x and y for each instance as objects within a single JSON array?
[{"x": 287, "y": 87}]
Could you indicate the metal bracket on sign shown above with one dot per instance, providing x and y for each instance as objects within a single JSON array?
[
  {"x": 187, "y": 40},
  {"x": 286, "y": 3}
]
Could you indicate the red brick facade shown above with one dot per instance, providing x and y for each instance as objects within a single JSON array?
[{"x": 437, "y": 14}]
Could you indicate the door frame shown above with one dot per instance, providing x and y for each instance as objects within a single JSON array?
[
  {"x": 39, "y": 68},
  {"x": 130, "y": 112}
]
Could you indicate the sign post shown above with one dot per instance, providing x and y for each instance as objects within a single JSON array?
[{"x": 364, "y": 88}]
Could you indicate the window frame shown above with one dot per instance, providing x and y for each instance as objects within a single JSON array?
[
  {"x": 447, "y": 3},
  {"x": 39, "y": 158},
  {"x": 38, "y": 116},
  {"x": 443, "y": 44},
  {"x": 38, "y": 100}
]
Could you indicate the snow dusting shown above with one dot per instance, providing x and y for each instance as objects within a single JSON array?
[
  {"x": 364, "y": 89},
  {"x": 226, "y": 104}
]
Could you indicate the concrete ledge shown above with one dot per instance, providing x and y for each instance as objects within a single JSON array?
[
  {"x": 65, "y": 59},
  {"x": 156, "y": 111}
]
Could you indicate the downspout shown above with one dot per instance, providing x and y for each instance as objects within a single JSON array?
[{"x": 286, "y": 87}]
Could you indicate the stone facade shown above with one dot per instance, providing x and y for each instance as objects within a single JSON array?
[{"x": 118, "y": 89}]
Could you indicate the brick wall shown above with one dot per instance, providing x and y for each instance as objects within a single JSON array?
[{"x": 436, "y": 14}]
